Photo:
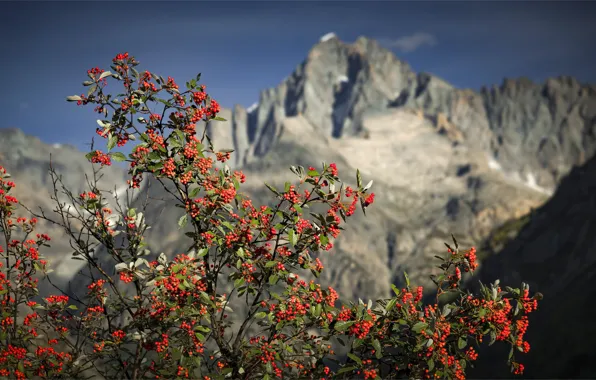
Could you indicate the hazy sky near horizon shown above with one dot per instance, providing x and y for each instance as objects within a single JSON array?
[{"x": 243, "y": 47}]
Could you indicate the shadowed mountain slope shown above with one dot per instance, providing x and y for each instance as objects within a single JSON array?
[{"x": 555, "y": 253}]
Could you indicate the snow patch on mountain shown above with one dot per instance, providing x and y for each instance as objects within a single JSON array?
[
  {"x": 531, "y": 182},
  {"x": 328, "y": 36},
  {"x": 493, "y": 164},
  {"x": 252, "y": 108}
]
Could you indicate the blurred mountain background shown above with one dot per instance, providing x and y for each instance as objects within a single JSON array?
[{"x": 508, "y": 167}]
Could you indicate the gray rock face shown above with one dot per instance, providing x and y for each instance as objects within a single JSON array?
[
  {"x": 332, "y": 89},
  {"x": 534, "y": 132}
]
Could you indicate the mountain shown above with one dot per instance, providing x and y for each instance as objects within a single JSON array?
[
  {"x": 534, "y": 132},
  {"x": 555, "y": 253},
  {"x": 444, "y": 160},
  {"x": 465, "y": 161}
]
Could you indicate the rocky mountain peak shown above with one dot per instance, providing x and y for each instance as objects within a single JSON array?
[
  {"x": 331, "y": 89},
  {"x": 534, "y": 133}
]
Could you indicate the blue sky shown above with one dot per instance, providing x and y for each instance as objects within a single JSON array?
[{"x": 246, "y": 46}]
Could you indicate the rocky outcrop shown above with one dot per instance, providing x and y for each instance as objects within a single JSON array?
[
  {"x": 335, "y": 85},
  {"x": 533, "y": 132},
  {"x": 536, "y": 132}
]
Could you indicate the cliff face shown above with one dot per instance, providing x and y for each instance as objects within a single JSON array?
[
  {"x": 534, "y": 132},
  {"x": 555, "y": 253}
]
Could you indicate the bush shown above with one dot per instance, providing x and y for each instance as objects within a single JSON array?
[{"x": 169, "y": 318}]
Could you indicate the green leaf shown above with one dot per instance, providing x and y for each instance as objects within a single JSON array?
[
  {"x": 358, "y": 179},
  {"x": 194, "y": 192},
  {"x": 202, "y": 328},
  {"x": 112, "y": 140},
  {"x": 273, "y": 189},
  {"x": 105, "y": 74},
  {"x": 118, "y": 157},
  {"x": 493, "y": 338},
  {"x": 183, "y": 220},
  {"x": 292, "y": 237},
  {"x": 407, "y": 280},
  {"x": 239, "y": 282},
  {"x": 273, "y": 279},
  {"x": 343, "y": 326},
  {"x": 462, "y": 342},
  {"x": 355, "y": 358},
  {"x": 395, "y": 290},
  {"x": 175, "y": 143},
  {"x": 73, "y": 307},
  {"x": 391, "y": 304},
  {"x": 219, "y": 118},
  {"x": 269, "y": 264},
  {"x": 431, "y": 365},
  {"x": 419, "y": 326},
  {"x": 446, "y": 310},
  {"x": 378, "y": 350},
  {"x": 346, "y": 369}
]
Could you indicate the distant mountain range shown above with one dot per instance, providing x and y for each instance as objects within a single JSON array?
[
  {"x": 443, "y": 160},
  {"x": 534, "y": 132}
]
